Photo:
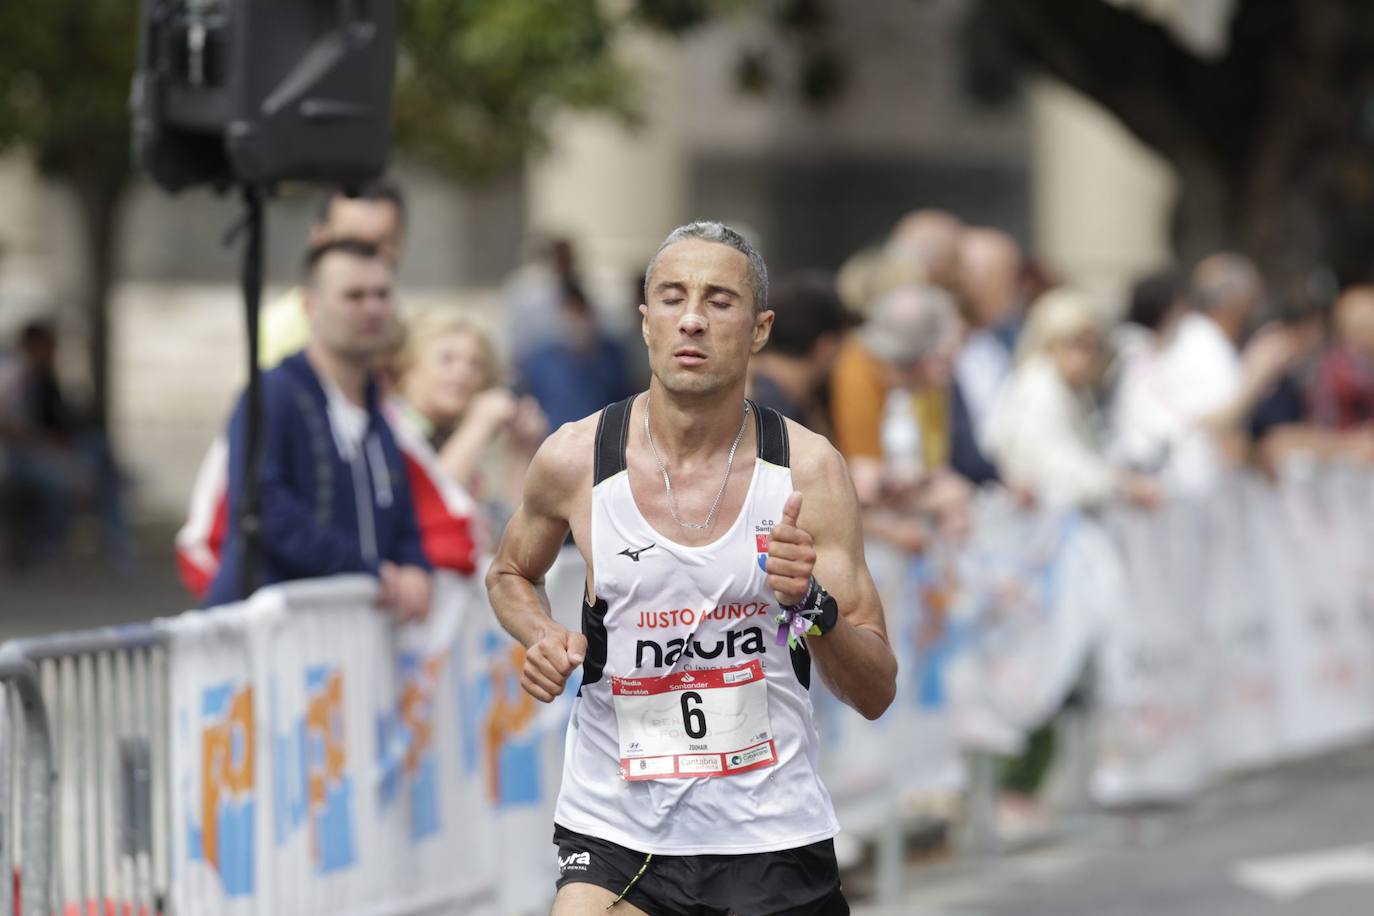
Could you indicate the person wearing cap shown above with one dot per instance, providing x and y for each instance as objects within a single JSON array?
[{"x": 789, "y": 374}]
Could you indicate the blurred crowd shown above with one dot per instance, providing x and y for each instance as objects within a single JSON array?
[
  {"x": 971, "y": 366},
  {"x": 941, "y": 360}
]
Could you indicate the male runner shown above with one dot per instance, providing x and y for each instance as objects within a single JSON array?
[{"x": 690, "y": 778}]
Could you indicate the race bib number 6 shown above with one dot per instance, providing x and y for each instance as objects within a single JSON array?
[{"x": 694, "y": 723}]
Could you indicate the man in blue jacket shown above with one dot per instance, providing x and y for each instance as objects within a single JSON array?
[{"x": 335, "y": 498}]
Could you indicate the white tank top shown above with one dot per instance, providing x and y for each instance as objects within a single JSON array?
[{"x": 698, "y": 615}]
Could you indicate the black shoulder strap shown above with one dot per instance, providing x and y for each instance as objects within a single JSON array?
[
  {"x": 612, "y": 432},
  {"x": 772, "y": 434}
]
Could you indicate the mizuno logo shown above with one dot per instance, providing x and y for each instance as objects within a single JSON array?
[{"x": 633, "y": 554}]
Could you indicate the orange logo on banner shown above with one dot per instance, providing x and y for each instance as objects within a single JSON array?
[
  {"x": 511, "y": 710},
  {"x": 225, "y": 773},
  {"x": 325, "y": 717},
  {"x": 416, "y": 697}
]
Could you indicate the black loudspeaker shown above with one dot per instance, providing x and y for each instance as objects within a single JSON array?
[{"x": 261, "y": 91}]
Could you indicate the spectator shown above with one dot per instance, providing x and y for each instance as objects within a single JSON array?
[
  {"x": 922, "y": 248},
  {"x": 534, "y": 298},
  {"x": 1144, "y": 426},
  {"x": 1343, "y": 392},
  {"x": 889, "y": 397},
  {"x": 790, "y": 373},
  {"x": 1207, "y": 383},
  {"x": 1042, "y": 432},
  {"x": 579, "y": 372},
  {"x": 52, "y": 463},
  {"x": 989, "y": 283},
  {"x": 335, "y": 497},
  {"x": 928, "y": 240},
  {"x": 907, "y": 346},
  {"x": 377, "y": 215},
  {"x": 1285, "y": 403},
  {"x": 450, "y": 415}
]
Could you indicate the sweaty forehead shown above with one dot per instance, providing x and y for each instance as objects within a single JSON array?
[{"x": 697, "y": 263}]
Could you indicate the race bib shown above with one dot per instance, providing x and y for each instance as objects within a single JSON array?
[{"x": 694, "y": 723}]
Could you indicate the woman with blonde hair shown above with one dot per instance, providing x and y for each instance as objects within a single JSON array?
[
  {"x": 1043, "y": 431},
  {"x": 450, "y": 413}
]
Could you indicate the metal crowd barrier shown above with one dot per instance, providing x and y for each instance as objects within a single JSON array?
[
  {"x": 94, "y": 713},
  {"x": 28, "y": 779}
]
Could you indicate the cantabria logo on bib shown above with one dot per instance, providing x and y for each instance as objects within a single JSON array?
[{"x": 761, "y": 532}]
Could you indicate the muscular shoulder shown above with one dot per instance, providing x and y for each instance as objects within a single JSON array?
[
  {"x": 562, "y": 468},
  {"x": 818, "y": 469}
]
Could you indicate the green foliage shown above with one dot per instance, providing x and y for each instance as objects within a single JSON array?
[
  {"x": 477, "y": 78},
  {"x": 65, "y": 67}
]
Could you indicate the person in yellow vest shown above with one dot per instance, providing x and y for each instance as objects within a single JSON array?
[
  {"x": 377, "y": 216},
  {"x": 890, "y": 404}
]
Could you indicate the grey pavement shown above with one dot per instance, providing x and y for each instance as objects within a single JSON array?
[
  {"x": 82, "y": 591},
  {"x": 1230, "y": 854}
]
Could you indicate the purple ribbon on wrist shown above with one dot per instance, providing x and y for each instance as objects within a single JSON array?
[{"x": 797, "y": 621}]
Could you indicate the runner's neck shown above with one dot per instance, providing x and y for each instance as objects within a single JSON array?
[{"x": 690, "y": 431}]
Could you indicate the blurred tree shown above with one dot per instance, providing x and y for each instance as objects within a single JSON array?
[
  {"x": 1272, "y": 140},
  {"x": 64, "y": 83},
  {"x": 474, "y": 79}
]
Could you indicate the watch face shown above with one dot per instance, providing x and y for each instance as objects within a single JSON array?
[{"x": 830, "y": 612}]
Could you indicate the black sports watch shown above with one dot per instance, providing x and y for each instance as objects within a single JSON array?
[{"x": 829, "y": 609}]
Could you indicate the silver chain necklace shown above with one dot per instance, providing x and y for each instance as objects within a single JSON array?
[{"x": 668, "y": 484}]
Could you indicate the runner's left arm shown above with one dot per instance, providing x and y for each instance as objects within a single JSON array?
[
  {"x": 529, "y": 546},
  {"x": 826, "y": 541}
]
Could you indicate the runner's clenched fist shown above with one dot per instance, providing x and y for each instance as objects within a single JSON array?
[{"x": 550, "y": 660}]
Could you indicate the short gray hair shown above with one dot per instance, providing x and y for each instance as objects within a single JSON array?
[
  {"x": 712, "y": 231},
  {"x": 910, "y": 323}
]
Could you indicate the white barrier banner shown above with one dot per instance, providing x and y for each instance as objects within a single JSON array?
[
  {"x": 325, "y": 759},
  {"x": 328, "y": 760},
  {"x": 1238, "y": 617},
  {"x": 217, "y": 764},
  {"x": 1326, "y": 684},
  {"x": 314, "y": 659},
  {"x": 1152, "y": 663}
]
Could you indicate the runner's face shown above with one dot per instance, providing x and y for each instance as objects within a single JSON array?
[
  {"x": 699, "y": 322},
  {"x": 350, "y": 307}
]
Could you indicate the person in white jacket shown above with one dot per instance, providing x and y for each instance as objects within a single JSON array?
[{"x": 1042, "y": 431}]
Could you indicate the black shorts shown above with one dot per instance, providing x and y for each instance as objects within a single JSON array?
[{"x": 791, "y": 882}]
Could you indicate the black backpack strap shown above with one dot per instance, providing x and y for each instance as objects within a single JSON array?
[
  {"x": 612, "y": 433},
  {"x": 772, "y": 435}
]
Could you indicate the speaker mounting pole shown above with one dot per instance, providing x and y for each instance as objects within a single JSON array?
[{"x": 250, "y": 510}]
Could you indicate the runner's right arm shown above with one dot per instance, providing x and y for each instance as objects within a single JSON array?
[{"x": 515, "y": 582}]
